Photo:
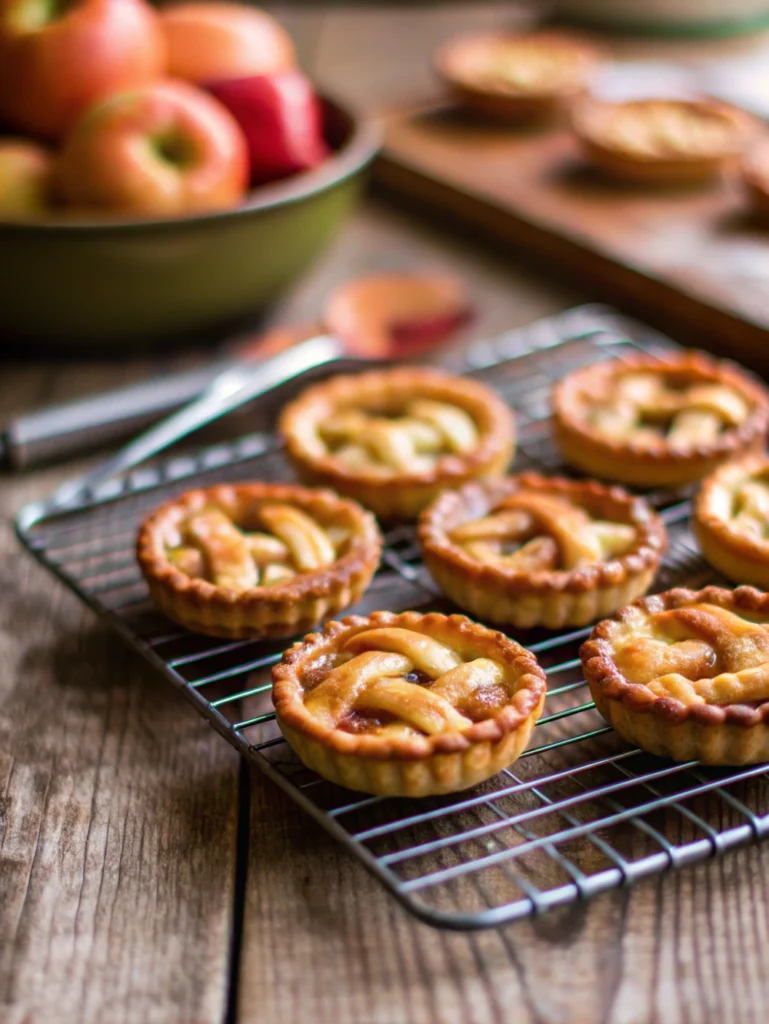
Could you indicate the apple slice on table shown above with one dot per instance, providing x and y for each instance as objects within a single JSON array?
[
  {"x": 397, "y": 315},
  {"x": 281, "y": 118},
  {"x": 168, "y": 148}
]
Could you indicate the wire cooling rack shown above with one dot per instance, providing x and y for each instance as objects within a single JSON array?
[{"x": 580, "y": 812}]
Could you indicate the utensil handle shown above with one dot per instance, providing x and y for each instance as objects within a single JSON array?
[
  {"x": 230, "y": 389},
  {"x": 72, "y": 428}
]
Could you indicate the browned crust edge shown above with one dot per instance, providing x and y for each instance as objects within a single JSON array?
[
  {"x": 670, "y": 461},
  {"x": 287, "y": 690},
  {"x": 587, "y": 125},
  {"x": 603, "y": 502},
  {"x": 506, "y": 101},
  {"x": 607, "y": 683},
  {"x": 738, "y": 555},
  {"x": 205, "y": 606},
  {"x": 494, "y": 420}
]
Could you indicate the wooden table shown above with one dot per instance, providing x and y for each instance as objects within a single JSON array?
[{"x": 146, "y": 877}]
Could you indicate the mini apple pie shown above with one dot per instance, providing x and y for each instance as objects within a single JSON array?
[
  {"x": 257, "y": 560},
  {"x": 394, "y": 439},
  {"x": 407, "y": 705},
  {"x": 731, "y": 520},
  {"x": 685, "y": 674},
  {"x": 516, "y": 77},
  {"x": 531, "y": 551},
  {"x": 663, "y": 142},
  {"x": 656, "y": 422}
]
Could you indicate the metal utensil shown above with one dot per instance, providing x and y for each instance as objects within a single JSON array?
[
  {"x": 391, "y": 314},
  {"x": 71, "y": 428},
  {"x": 230, "y": 389}
]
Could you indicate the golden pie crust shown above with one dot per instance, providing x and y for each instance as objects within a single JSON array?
[
  {"x": 755, "y": 176},
  {"x": 394, "y": 439},
  {"x": 513, "y": 77},
  {"x": 731, "y": 520},
  {"x": 407, "y": 705},
  {"x": 685, "y": 674},
  {"x": 257, "y": 559},
  {"x": 659, "y": 141},
  {"x": 530, "y": 550},
  {"x": 655, "y": 422}
]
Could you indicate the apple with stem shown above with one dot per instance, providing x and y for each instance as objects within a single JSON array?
[{"x": 164, "y": 149}]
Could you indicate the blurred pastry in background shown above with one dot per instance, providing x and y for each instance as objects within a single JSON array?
[
  {"x": 662, "y": 141},
  {"x": 516, "y": 77},
  {"x": 755, "y": 175}
]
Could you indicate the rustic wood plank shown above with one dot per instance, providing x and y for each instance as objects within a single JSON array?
[
  {"x": 117, "y": 803},
  {"x": 689, "y": 262},
  {"x": 324, "y": 942}
]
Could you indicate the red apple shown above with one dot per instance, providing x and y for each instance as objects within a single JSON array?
[
  {"x": 207, "y": 41},
  {"x": 164, "y": 149},
  {"x": 26, "y": 174},
  {"x": 58, "y": 57},
  {"x": 281, "y": 118}
]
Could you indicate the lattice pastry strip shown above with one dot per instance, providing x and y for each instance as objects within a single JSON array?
[
  {"x": 751, "y": 509},
  {"x": 644, "y": 407},
  {"x": 212, "y": 547},
  {"x": 700, "y": 654},
  {"x": 539, "y": 531},
  {"x": 411, "y": 442},
  {"x": 420, "y": 681}
]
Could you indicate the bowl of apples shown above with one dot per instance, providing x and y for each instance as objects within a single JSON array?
[{"x": 163, "y": 173}]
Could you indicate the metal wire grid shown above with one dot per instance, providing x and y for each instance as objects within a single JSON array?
[{"x": 579, "y": 813}]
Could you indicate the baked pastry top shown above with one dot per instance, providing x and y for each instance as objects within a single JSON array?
[
  {"x": 410, "y": 704},
  {"x": 532, "y": 550},
  {"x": 413, "y": 440},
  {"x": 731, "y": 520},
  {"x": 256, "y": 559},
  {"x": 516, "y": 74},
  {"x": 649, "y": 129},
  {"x": 393, "y": 438},
  {"x": 659, "y": 137},
  {"x": 649, "y": 420},
  {"x": 532, "y": 532},
  {"x": 676, "y": 671},
  {"x": 537, "y": 63},
  {"x": 213, "y": 548}
]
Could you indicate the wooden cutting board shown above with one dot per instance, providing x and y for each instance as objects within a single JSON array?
[{"x": 691, "y": 262}]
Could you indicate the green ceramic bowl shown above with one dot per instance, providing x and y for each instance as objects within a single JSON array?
[{"x": 103, "y": 285}]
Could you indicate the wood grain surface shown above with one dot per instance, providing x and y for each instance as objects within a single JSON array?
[
  {"x": 690, "y": 261},
  {"x": 119, "y": 807}
]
